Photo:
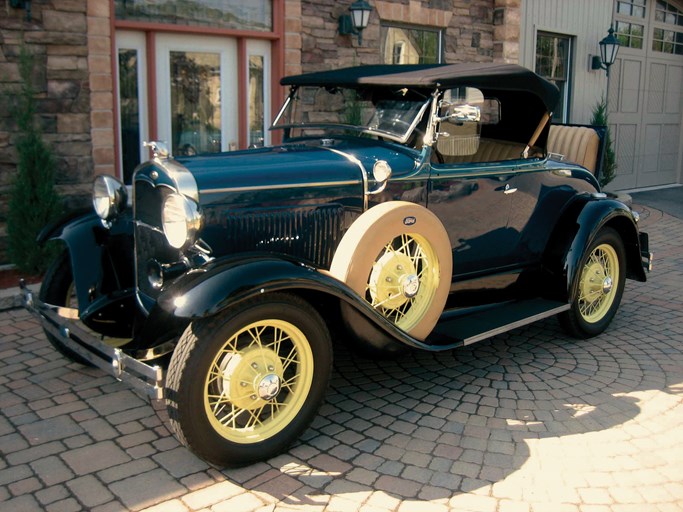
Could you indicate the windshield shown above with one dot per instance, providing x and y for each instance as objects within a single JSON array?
[{"x": 325, "y": 111}]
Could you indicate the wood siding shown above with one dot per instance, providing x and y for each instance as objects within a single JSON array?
[{"x": 586, "y": 21}]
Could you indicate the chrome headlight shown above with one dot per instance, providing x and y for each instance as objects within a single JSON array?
[
  {"x": 181, "y": 220},
  {"x": 109, "y": 196},
  {"x": 381, "y": 171}
]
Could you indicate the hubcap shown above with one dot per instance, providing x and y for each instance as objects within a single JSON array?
[
  {"x": 403, "y": 280},
  {"x": 269, "y": 387},
  {"x": 596, "y": 288}
]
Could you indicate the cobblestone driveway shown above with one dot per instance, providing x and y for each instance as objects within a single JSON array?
[{"x": 528, "y": 421}]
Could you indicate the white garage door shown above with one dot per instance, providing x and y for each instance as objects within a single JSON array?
[{"x": 646, "y": 93}]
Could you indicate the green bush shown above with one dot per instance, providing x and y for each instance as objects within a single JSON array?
[
  {"x": 33, "y": 200},
  {"x": 609, "y": 161}
]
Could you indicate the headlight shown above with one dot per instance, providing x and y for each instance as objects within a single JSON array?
[
  {"x": 381, "y": 171},
  {"x": 181, "y": 220},
  {"x": 109, "y": 196}
]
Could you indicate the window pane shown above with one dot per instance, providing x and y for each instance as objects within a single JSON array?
[
  {"x": 195, "y": 102},
  {"x": 234, "y": 14},
  {"x": 129, "y": 106},
  {"x": 256, "y": 100},
  {"x": 403, "y": 45},
  {"x": 552, "y": 62}
]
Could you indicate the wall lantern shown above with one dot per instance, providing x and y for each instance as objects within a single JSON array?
[
  {"x": 22, "y": 4},
  {"x": 609, "y": 47},
  {"x": 357, "y": 21}
]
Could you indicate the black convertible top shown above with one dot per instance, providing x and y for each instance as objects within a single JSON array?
[{"x": 485, "y": 76}]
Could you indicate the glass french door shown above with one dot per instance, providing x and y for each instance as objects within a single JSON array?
[
  {"x": 195, "y": 105},
  {"x": 197, "y": 93}
]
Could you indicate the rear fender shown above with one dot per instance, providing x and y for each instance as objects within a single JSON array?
[
  {"x": 223, "y": 283},
  {"x": 582, "y": 221}
]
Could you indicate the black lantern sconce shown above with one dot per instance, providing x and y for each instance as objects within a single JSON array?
[
  {"x": 22, "y": 4},
  {"x": 357, "y": 21},
  {"x": 609, "y": 47}
]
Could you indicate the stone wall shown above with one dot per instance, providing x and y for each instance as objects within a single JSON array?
[
  {"x": 57, "y": 36},
  {"x": 468, "y": 25}
]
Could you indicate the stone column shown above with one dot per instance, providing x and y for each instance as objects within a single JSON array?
[
  {"x": 506, "y": 22},
  {"x": 101, "y": 87}
]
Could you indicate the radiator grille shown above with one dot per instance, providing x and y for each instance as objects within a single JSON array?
[
  {"x": 150, "y": 241},
  {"x": 311, "y": 233}
]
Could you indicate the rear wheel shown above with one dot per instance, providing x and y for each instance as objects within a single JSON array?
[
  {"x": 58, "y": 290},
  {"x": 598, "y": 286},
  {"x": 243, "y": 385}
]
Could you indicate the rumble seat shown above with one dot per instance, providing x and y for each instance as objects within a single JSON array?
[{"x": 578, "y": 144}]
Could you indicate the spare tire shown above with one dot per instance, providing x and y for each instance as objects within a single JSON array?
[{"x": 397, "y": 256}]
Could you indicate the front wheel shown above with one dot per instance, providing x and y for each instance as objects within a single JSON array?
[
  {"x": 598, "y": 286},
  {"x": 243, "y": 385},
  {"x": 58, "y": 290}
]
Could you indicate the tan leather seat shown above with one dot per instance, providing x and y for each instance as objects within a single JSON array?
[
  {"x": 490, "y": 150},
  {"x": 578, "y": 144}
]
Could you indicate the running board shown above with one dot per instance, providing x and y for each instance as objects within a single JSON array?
[{"x": 484, "y": 324}]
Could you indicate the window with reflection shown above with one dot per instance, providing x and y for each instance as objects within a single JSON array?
[
  {"x": 129, "y": 111},
  {"x": 228, "y": 14},
  {"x": 408, "y": 45},
  {"x": 195, "y": 102},
  {"x": 630, "y": 35},
  {"x": 256, "y": 101},
  {"x": 553, "y": 62},
  {"x": 635, "y": 8}
]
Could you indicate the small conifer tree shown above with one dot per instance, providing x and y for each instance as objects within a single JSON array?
[
  {"x": 33, "y": 201},
  {"x": 609, "y": 162}
]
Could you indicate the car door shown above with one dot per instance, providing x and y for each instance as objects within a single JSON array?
[{"x": 473, "y": 202}]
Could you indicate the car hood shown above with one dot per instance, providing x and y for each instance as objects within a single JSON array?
[{"x": 305, "y": 162}]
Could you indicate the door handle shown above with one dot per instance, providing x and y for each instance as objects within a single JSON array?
[{"x": 509, "y": 190}]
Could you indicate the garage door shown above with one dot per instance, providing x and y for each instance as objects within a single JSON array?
[{"x": 646, "y": 93}]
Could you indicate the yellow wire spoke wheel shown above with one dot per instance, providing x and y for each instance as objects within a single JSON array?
[
  {"x": 258, "y": 381},
  {"x": 597, "y": 285},
  {"x": 404, "y": 280},
  {"x": 244, "y": 383}
]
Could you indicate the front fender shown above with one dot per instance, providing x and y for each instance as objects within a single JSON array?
[
  {"x": 220, "y": 284},
  {"x": 596, "y": 214},
  {"x": 96, "y": 254}
]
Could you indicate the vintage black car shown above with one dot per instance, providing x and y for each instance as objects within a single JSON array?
[{"x": 408, "y": 207}]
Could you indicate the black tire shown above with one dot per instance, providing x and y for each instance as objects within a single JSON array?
[
  {"x": 235, "y": 394},
  {"x": 596, "y": 300},
  {"x": 58, "y": 290}
]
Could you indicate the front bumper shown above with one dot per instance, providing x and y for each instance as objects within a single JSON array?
[{"x": 87, "y": 345}]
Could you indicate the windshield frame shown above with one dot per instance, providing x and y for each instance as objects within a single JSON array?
[{"x": 368, "y": 130}]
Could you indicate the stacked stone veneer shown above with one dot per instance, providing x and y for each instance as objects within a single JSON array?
[
  {"x": 71, "y": 43},
  {"x": 470, "y": 34}
]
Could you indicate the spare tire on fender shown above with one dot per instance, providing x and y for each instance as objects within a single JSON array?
[{"x": 398, "y": 257}]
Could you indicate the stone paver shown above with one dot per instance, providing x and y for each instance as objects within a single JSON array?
[{"x": 528, "y": 421}]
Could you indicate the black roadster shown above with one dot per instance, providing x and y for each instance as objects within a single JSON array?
[{"x": 408, "y": 207}]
